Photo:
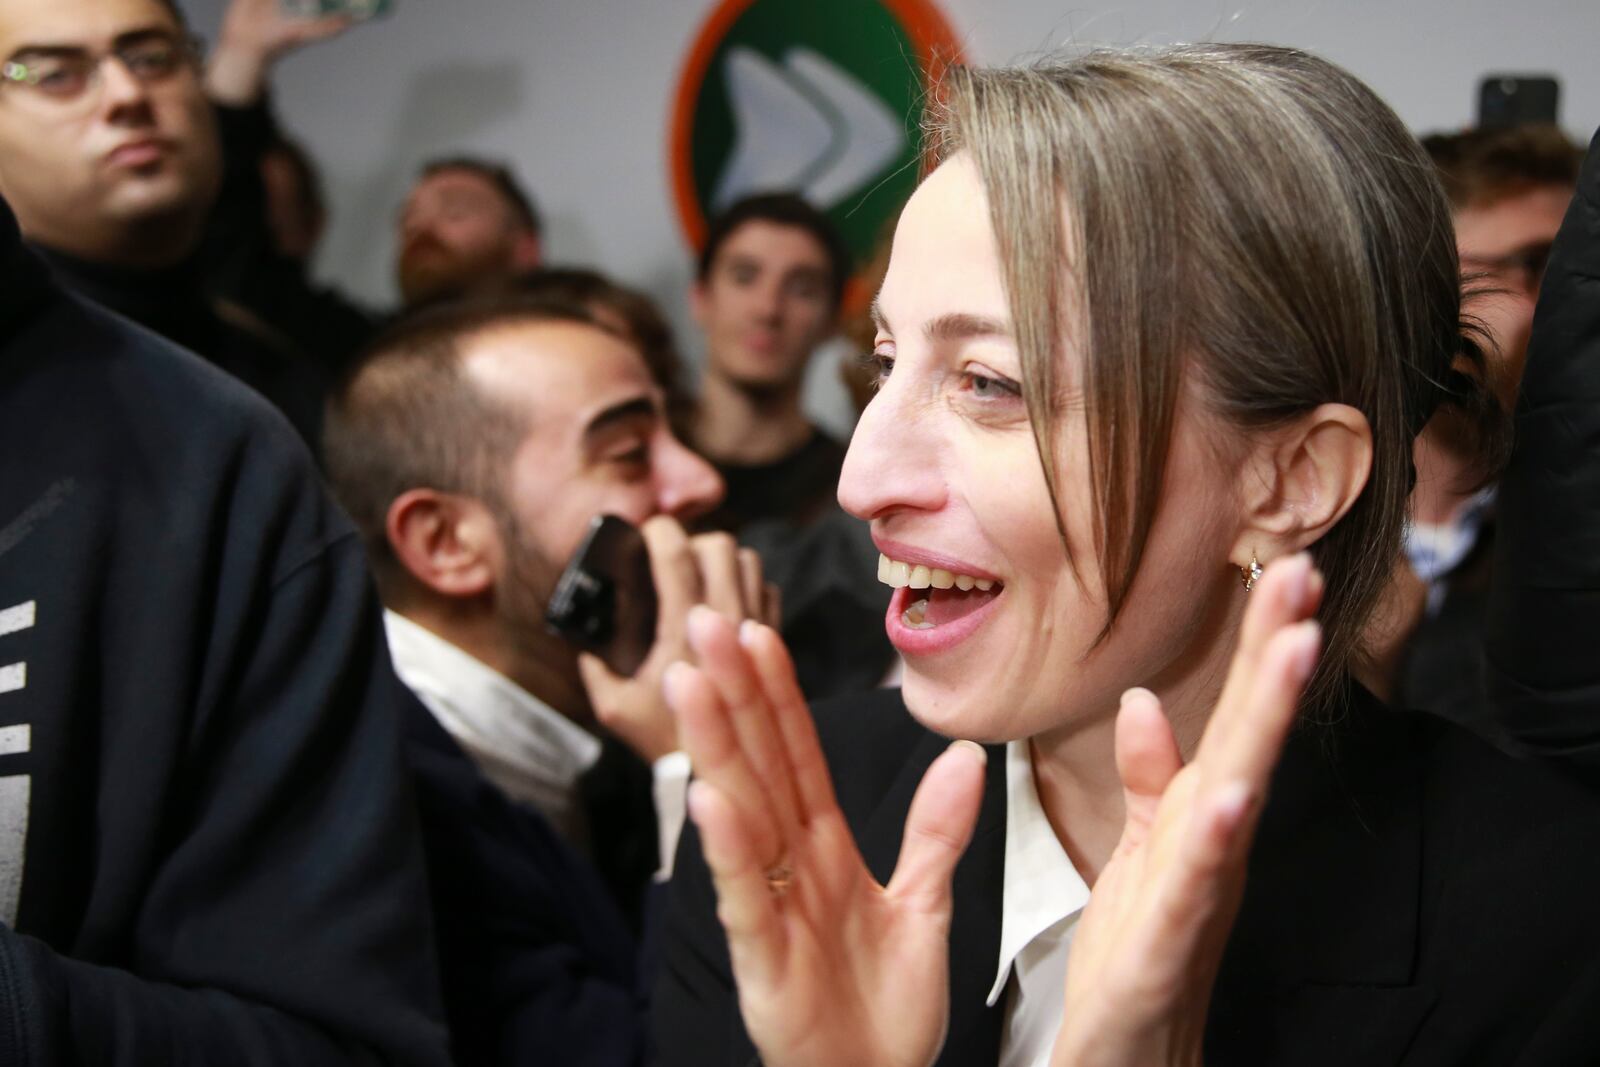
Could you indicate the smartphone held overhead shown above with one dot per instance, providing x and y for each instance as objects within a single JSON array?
[{"x": 1516, "y": 99}]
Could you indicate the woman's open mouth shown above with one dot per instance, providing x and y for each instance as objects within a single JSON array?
[{"x": 934, "y": 609}]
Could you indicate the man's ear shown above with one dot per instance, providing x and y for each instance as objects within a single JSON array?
[
  {"x": 527, "y": 252},
  {"x": 448, "y": 543},
  {"x": 1298, "y": 481}
]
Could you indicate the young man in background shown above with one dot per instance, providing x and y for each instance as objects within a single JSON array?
[{"x": 770, "y": 280}]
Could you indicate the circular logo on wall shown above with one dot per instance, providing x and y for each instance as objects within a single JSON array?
[{"x": 822, "y": 98}]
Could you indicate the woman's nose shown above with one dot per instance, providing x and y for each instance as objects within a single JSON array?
[{"x": 896, "y": 461}]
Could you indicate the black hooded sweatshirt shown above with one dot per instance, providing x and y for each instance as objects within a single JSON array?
[
  {"x": 208, "y": 851},
  {"x": 175, "y": 304}
]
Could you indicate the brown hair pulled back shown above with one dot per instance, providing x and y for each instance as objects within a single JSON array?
[
  {"x": 408, "y": 416},
  {"x": 1248, "y": 215}
]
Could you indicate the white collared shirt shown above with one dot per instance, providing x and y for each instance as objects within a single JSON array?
[
  {"x": 1042, "y": 900},
  {"x": 532, "y": 752},
  {"x": 1435, "y": 550}
]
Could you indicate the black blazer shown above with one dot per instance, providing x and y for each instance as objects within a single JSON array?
[{"x": 1415, "y": 896}]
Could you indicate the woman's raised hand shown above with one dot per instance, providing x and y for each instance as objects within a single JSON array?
[
  {"x": 1146, "y": 952},
  {"x": 832, "y": 968}
]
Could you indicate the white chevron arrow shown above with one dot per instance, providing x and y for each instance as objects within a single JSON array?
[{"x": 807, "y": 126}]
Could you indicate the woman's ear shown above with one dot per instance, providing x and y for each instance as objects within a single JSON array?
[
  {"x": 1301, "y": 479},
  {"x": 449, "y": 544}
]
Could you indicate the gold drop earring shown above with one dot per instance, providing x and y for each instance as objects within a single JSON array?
[{"x": 1251, "y": 573}]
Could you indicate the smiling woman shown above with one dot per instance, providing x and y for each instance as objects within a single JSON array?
[{"x": 1156, "y": 335}]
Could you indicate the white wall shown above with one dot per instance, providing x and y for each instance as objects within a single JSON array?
[{"x": 576, "y": 94}]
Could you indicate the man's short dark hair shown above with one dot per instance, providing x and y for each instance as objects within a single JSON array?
[
  {"x": 502, "y": 178},
  {"x": 1481, "y": 166},
  {"x": 648, "y": 328},
  {"x": 781, "y": 209},
  {"x": 406, "y": 416}
]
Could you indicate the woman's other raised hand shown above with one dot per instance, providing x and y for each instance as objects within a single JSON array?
[{"x": 1146, "y": 953}]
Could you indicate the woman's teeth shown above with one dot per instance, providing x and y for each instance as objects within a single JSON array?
[{"x": 900, "y": 575}]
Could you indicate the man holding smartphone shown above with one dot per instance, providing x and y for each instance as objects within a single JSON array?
[{"x": 474, "y": 444}]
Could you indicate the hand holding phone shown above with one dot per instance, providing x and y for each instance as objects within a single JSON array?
[
  {"x": 678, "y": 573},
  {"x": 605, "y": 601}
]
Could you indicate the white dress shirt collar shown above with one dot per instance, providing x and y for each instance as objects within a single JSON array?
[
  {"x": 1042, "y": 899},
  {"x": 527, "y": 748}
]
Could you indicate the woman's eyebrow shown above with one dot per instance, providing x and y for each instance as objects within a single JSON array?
[
  {"x": 952, "y": 326},
  {"x": 962, "y": 326}
]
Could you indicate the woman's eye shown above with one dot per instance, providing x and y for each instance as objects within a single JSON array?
[
  {"x": 880, "y": 364},
  {"x": 989, "y": 386}
]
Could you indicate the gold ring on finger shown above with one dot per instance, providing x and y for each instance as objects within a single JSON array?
[{"x": 780, "y": 877}]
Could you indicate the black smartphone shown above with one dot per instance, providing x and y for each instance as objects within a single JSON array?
[
  {"x": 1515, "y": 99},
  {"x": 605, "y": 601}
]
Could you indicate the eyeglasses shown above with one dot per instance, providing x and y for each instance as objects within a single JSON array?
[
  {"x": 1522, "y": 267},
  {"x": 67, "y": 75}
]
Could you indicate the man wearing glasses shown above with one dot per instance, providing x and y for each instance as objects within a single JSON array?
[
  {"x": 1509, "y": 189},
  {"x": 110, "y": 159}
]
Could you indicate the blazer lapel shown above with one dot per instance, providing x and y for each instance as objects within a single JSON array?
[
  {"x": 1319, "y": 968},
  {"x": 974, "y": 1034},
  {"x": 1320, "y": 965}
]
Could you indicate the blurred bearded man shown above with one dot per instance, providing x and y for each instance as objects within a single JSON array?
[{"x": 467, "y": 229}]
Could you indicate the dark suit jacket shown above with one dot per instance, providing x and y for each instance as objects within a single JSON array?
[
  {"x": 1415, "y": 896},
  {"x": 536, "y": 960}
]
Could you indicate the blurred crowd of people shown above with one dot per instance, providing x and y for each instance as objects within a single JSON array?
[{"x": 304, "y": 775}]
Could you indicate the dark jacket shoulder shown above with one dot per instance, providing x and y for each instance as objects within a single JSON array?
[
  {"x": 1543, "y": 673},
  {"x": 537, "y": 962},
  {"x": 215, "y": 847},
  {"x": 1415, "y": 896}
]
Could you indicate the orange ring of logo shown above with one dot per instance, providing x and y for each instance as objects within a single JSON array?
[{"x": 935, "y": 43}]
